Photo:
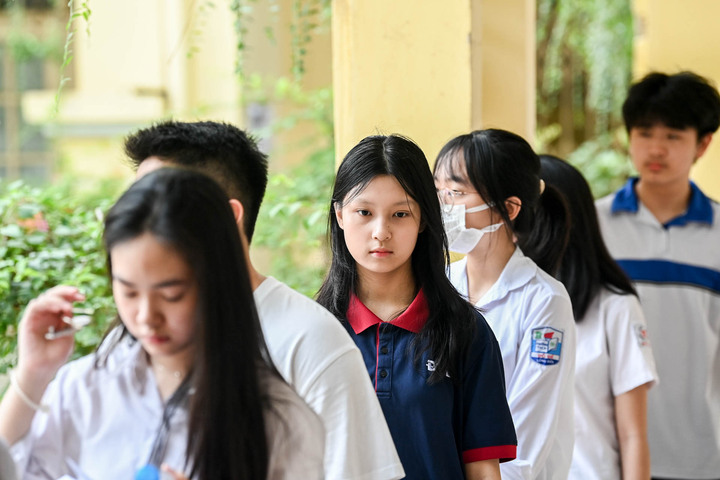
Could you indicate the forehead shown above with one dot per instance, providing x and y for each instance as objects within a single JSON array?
[
  {"x": 381, "y": 190},
  {"x": 659, "y": 125},
  {"x": 146, "y": 257},
  {"x": 451, "y": 169}
]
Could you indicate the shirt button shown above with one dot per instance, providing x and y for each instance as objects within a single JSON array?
[
  {"x": 384, "y": 350},
  {"x": 383, "y": 373}
]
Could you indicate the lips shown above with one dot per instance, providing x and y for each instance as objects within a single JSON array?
[
  {"x": 157, "y": 339},
  {"x": 380, "y": 252},
  {"x": 654, "y": 166}
]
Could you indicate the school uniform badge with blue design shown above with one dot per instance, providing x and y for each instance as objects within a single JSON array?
[{"x": 546, "y": 345}]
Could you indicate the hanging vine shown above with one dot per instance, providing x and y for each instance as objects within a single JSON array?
[
  {"x": 75, "y": 13},
  {"x": 308, "y": 18}
]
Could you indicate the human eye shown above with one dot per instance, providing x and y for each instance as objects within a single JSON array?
[
  {"x": 128, "y": 293},
  {"x": 363, "y": 213},
  {"x": 173, "y": 298},
  {"x": 402, "y": 214}
]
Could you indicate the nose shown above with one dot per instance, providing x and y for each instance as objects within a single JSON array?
[
  {"x": 657, "y": 145},
  {"x": 147, "y": 314},
  {"x": 381, "y": 231}
]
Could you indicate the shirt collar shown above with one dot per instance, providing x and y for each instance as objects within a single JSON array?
[
  {"x": 518, "y": 271},
  {"x": 412, "y": 319},
  {"x": 699, "y": 209}
]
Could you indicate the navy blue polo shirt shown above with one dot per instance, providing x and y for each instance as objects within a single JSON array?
[{"x": 436, "y": 428}]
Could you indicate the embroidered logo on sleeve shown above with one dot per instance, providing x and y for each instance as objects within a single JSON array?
[
  {"x": 546, "y": 345},
  {"x": 641, "y": 334}
]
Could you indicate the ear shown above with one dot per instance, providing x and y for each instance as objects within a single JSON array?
[
  {"x": 703, "y": 145},
  {"x": 338, "y": 215},
  {"x": 513, "y": 205},
  {"x": 238, "y": 211}
]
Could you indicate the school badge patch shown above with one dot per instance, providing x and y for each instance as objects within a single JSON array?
[
  {"x": 641, "y": 334},
  {"x": 546, "y": 345}
]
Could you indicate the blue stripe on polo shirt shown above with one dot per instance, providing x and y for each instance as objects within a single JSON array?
[{"x": 666, "y": 272}]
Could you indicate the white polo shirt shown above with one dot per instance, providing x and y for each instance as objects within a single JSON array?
[
  {"x": 314, "y": 354},
  {"x": 531, "y": 315},
  {"x": 613, "y": 357},
  {"x": 676, "y": 269}
]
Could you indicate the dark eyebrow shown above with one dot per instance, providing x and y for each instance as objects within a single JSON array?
[{"x": 167, "y": 283}]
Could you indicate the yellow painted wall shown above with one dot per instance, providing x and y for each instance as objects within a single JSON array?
[
  {"x": 671, "y": 36},
  {"x": 401, "y": 66},
  {"x": 142, "y": 61},
  {"x": 432, "y": 70}
]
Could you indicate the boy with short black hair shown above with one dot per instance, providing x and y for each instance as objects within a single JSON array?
[{"x": 665, "y": 233}]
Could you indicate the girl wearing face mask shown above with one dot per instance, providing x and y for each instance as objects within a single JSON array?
[
  {"x": 432, "y": 358},
  {"x": 490, "y": 190}
]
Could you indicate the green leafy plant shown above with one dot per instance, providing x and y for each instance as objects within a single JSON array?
[
  {"x": 292, "y": 222},
  {"x": 48, "y": 236}
]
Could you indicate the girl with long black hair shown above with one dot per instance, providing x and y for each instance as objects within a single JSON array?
[
  {"x": 615, "y": 365},
  {"x": 432, "y": 358},
  {"x": 183, "y": 378}
]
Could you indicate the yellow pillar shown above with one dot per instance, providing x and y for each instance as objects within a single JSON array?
[
  {"x": 504, "y": 66},
  {"x": 672, "y": 36},
  {"x": 431, "y": 70}
]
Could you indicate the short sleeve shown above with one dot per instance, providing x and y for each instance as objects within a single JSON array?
[
  {"x": 631, "y": 359},
  {"x": 488, "y": 430},
  {"x": 296, "y": 438}
]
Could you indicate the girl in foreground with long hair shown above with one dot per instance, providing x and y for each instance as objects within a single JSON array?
[
  {"x": 432, "y": 358},
  {"x": 182, "y": 379}
]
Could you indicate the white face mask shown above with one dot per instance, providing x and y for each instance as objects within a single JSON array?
[{"x": 461, "y": 239}]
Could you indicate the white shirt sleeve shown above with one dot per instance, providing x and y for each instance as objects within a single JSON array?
[
  {"x": 631, "y": 359},
  {"x": 296, "y": 439}
]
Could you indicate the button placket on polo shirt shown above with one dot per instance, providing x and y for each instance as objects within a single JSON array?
[{"x": 385, "y": 349}]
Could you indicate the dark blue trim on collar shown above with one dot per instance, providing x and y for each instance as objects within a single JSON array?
[
  {"x": 625, "y": 199},
  {"x": 699, "y": 210}
]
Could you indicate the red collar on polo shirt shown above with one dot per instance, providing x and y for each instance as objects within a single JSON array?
[{"x": 412, "y": 319}]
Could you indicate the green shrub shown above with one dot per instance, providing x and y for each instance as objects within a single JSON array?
[{"x": 51, "y": 236}]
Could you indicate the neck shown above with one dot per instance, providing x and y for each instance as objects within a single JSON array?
[
  {"x": 387, "y": 294},
  {"x": 485, "y": 265},
  {"x": 256, "y": 278},
  {"x": 169, "y": 373},
  {"x": 665, "y": 201}
]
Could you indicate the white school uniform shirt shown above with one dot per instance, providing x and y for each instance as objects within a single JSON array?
[
  {"x": 106, "y": 419},
  {"x": 531, "y": 315},
  {"x": 614, "y": 356},
  {"x": 314, "y": 354},
  {"x": 675, "y": 268}
]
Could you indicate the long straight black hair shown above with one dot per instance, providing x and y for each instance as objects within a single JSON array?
[
  {"x": 499, "y": 165},
  {"x": 451, "y": 323},
  {"x": 587, "y": 265},
  {"x": 189, "y": 213}
]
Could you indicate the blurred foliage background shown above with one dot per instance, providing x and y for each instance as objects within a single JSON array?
[
  {"x": 51, "y": 234},
  {"x": 584, "y": 69}
]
